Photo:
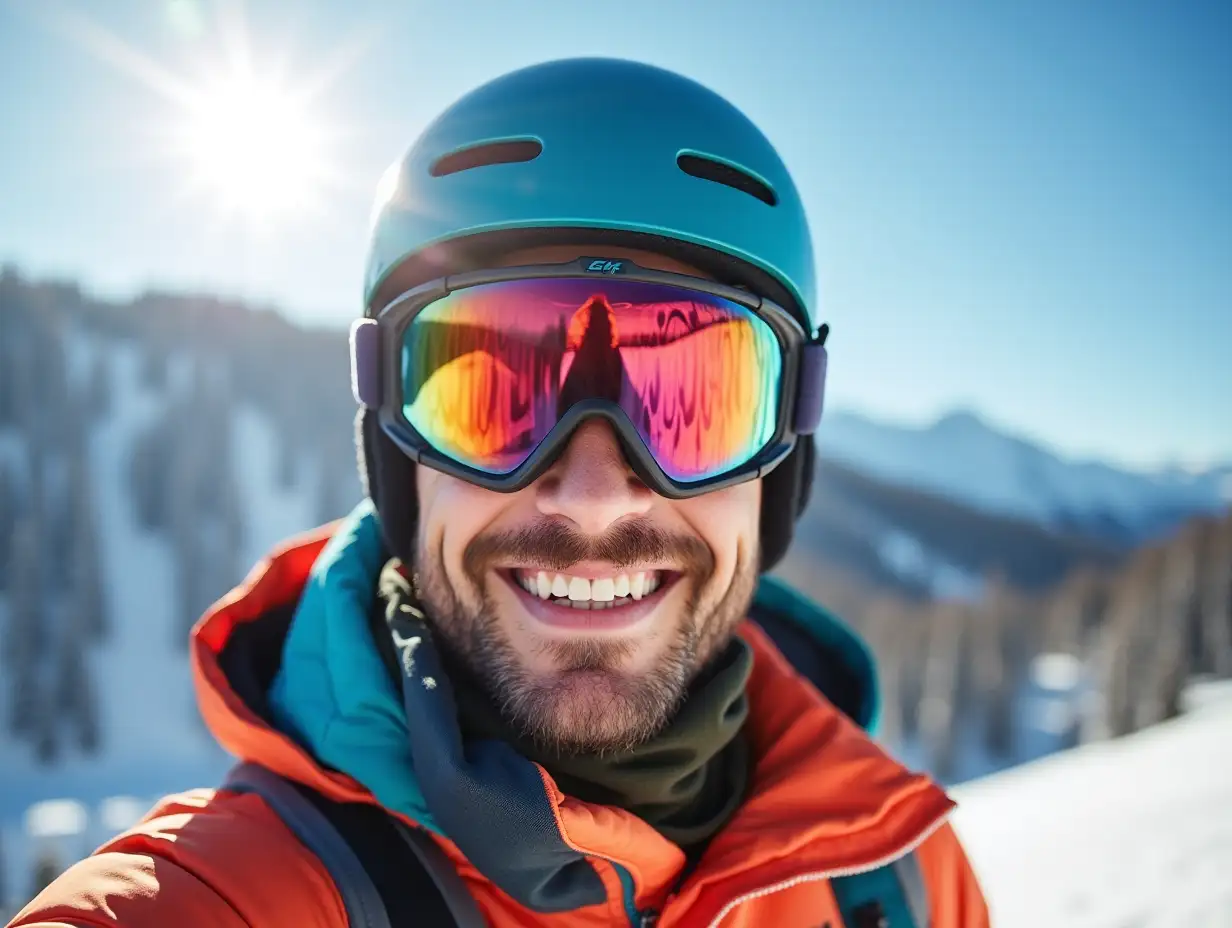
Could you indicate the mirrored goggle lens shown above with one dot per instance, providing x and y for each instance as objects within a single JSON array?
[{"x": 489, "y": 370}]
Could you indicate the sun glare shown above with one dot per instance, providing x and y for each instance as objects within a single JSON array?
[
  {"x": 244, "y": 132},
  {"x": 252, "y": 144}
]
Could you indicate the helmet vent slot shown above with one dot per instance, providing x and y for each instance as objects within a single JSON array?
[
  {"x": 721, "y": 172},
  {"x": 509, "y": 151}
]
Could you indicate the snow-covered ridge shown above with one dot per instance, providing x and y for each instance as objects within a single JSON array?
[
  {"x": 963, "y": 457},
  {"x": 1136, "y": 831}
]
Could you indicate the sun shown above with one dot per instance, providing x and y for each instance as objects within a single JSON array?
[{"x": 253, "y": 146}]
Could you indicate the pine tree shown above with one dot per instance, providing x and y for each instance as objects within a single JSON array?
[
  {"x": 21, "y": 637},
  {"x": 1121, "y": 649},
  {"x": 154, "y": 366},
  {"x": 150, "y": 462},
  {"x": 4, "y": 886},
  {"x": 1215, "y": 598},
  {"x": 84, "y": 556},
  {"x": 75, "y": 697},
  {"x": 45, "y": 735},
  {"x": 8, "y": 521},
  {"x": 937, "y": 715},
  {"x": 1175, "y": 630},
  {"x": 286, "y": 462},
  {"x": 998, "y": 662},
  {"x": 47, "y": 867},
  {"x": 11, "y": 337},
  {"x": 99, "y": 391},
  {"x": 885, "y": 620},
  {"x": 89, "y": 734},
  {"x": 186, "y": 516}
]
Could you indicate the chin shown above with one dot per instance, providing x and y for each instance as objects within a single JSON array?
[{"x": 591, "y": 712}]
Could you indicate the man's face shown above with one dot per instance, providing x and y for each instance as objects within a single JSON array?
[{"x": 655, "y": 586}]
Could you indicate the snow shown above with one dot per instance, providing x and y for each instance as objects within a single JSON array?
[
  {"x": 80, "y": 356},
  {"x": 1134, "y": 832},
  {"x": 272, "y": 513},
  {"x": 908, "y": 558},
  {"x": 55, "y": 818},
  {"x": 1059, "y": 672},
  {"x": 964, "y": 458}
]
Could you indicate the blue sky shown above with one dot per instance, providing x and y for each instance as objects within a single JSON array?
[{"x": 1021, "y": 208}]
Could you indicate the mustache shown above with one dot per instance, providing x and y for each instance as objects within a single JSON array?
[{"x": 554, "y": 545}]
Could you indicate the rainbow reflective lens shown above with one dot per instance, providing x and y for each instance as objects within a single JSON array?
[{"x": 489, "y": 370}]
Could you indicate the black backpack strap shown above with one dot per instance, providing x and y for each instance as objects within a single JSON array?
[
  {"x": 453, "y": 890},
  {"x": 388, "y": 874},
  {"x": 362, "y": 901},
  {"x": 891, "y": 896}
]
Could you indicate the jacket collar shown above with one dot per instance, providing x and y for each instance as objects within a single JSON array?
[{"x": 824, "y": 797}]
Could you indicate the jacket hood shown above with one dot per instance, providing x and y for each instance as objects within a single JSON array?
[{"x": 289, "y": 677}]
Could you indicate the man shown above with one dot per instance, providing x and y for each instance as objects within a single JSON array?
[{"x": 536, "y": 679}]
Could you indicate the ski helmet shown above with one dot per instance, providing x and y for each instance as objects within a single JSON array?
[{"x": 590, "y": 150}]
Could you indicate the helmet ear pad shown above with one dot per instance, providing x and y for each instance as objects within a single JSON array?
[
  {"x": 388, "y": 477},
  {"x": 785, "y": 493}
]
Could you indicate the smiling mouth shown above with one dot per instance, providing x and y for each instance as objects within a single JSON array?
[
  {"x": 591, "y": 593},
  {"x": 573, "y": 605}
]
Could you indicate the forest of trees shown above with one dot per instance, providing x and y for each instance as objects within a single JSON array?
[
  {"x": 1138, "y": 632},
  {"x": 181, "y": 483}
]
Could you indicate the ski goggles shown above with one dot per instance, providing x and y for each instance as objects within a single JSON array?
[{"x": 486, "y": 375}]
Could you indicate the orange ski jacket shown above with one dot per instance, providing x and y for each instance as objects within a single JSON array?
[{"x": 824, "y": 800}]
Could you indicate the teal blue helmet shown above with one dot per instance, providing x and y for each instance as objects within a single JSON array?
[
  {"x": 579, "y": 151},
  {"x": 603, "y": 147}
]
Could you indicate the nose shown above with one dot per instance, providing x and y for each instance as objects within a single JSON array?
[{"x": 591, "y": 484}]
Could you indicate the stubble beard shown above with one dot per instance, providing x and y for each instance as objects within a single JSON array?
[{"x": 587, "y": 704}]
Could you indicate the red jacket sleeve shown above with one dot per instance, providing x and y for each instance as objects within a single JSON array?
[
  {"x": 955, "y": 898},
  {"x": 200, "y": 859}
]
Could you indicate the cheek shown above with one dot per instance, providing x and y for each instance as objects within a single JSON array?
[
  {"x": 451, "y": 513},
  {"x": 728, "y": 522}
]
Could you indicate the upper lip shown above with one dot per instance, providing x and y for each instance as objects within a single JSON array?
[{"x": 590, "y": 570}]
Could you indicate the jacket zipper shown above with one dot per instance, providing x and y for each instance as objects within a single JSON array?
[{"x": 829, "y": 874}]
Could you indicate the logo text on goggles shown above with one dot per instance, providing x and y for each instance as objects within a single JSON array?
[{"x": 601, "y": 266}]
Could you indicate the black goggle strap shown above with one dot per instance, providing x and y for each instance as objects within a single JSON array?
[{"x": 810, "y": 385}]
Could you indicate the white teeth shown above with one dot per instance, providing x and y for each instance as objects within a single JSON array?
[
  {"x": 637, "y": 586},
  {"x": 601, "y": 592}
]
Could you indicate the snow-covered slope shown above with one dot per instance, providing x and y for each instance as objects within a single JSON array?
[
  {"x": 1136, "y": 831},
  {"x": 150, "y": 739},
  {"x": 963, "y": 457}
]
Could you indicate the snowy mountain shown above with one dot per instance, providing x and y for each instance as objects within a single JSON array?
[
  {"x": 923, "y": 544},
  {"x": 963, "y": 457}
]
